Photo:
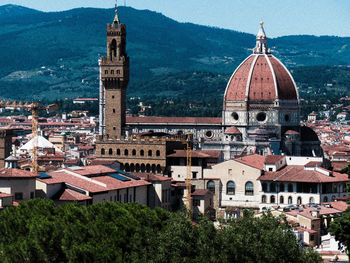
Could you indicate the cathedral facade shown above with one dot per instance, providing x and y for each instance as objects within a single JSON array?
[{"x": 261, "y": 112}]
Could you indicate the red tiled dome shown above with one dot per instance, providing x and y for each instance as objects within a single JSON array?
[{"x": 261, "y": 77}]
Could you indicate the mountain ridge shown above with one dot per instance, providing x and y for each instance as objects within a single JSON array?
[{"x": 55, "y": 54}]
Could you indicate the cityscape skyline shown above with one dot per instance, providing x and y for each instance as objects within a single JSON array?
[{"x": 281, "y": 18}]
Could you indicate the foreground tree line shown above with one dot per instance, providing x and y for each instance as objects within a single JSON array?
[{"x": 39, "y": 231}]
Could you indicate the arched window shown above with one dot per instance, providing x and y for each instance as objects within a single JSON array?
[
  {"x": 103, "y": 151},
  {"x": 157, "y": 153},
  {"x": 325, "y": 199},
  {"x": 281, "y": 199},
  {"x": 273, "y": 187},
  {"x": 143, "y": 168},
  {"x": 272, "y": 199},
  {"x": 311, "y": 200},
  {"x": 127, "y": 167},
  {"x": 290, "y": 188},
  {"x": 148, "y": 168},
  {"x": 132, "y": 167},
  {"x": 149, "y": 152},
  {"x": 333, "y": 198},
  {"x": 133, "y": 152},
  {"x": 126, "y": 152},
  {"x": 159, "y": 169},
  {"x": 249, "y": 188},
  {"x": 110, "y": 151},
  {"x": 142, "y": 152},
  {"x": 118, "y": 151},
  {"x": 211, "y": 186},
  {"x": 281, "y": 187},
  {"x": 263, "y": 199},
  {"x": 137, "y": 167},
  {"x": 299, "y": 200},
  {"x": 113, "y": 48},
  {"x": 153, "y": 168},
  {"x": 290, "y": 200},
  {"x": 264, "y": 187},
  {"x": 230, "y": 188}
]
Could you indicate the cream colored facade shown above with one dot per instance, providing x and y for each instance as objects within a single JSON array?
[
  {"x": 241, "y": 175},
  {"x": 22, "y": 189}
]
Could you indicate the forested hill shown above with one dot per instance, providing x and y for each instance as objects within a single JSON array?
[{"x": 55, "y": 54}]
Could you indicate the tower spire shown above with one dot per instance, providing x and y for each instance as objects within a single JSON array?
[
  {"x": 116, "y": 18},
  {"x": 261, "y": 41}
]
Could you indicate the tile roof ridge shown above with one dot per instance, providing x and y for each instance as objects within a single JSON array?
[{"x": 84, "y": 178}]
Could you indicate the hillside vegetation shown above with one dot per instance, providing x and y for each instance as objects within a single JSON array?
[{"x": 54, "y": 55}]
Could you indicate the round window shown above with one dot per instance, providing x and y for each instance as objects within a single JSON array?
[
  {"x": 261, "y": 116},
  {"x": 209, "y": 134},
  {"x": 287, "y": 117},
  {"x": 235, "y": 116}
]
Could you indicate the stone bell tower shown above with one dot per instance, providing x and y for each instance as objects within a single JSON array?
[{"x": 114, "y": 79}]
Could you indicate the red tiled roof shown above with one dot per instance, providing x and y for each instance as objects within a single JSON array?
[
  {"x": 70, "y": 195},
  {"x": 260, "y": 75},
  {"x": 232, "y": 130},
  {"x": 174, "y": 120},
  {"x": 272, "y": 159},
  {"x": 196, "y": 154},
  {"x": 93, "y": 170},
  {"x": 236, "y": 88},
  {"x": 152, "y": 177},
  {"x": 339, "y": 205},
  {"x": 293, "y": 173},
  {"x": 93, "y": 185},
  {"x": 254, "y": 160},
  {"x": 16, "y": 173}
]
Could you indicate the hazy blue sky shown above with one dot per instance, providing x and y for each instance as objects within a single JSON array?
[{"x": 281, "y": 17}]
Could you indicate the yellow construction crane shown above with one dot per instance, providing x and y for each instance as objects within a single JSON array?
[
  {"x": 188, "y": 171},
  {"x": 34, "y": 107}
]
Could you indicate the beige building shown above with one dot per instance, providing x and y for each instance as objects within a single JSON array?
[
  {"x": 19, "y": 183},
  {"x": 95, "y": 183}
]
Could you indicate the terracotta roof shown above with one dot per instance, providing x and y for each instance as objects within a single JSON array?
[
  {"x": 70, "y": 195},
  {"x": 292, "y": 173},
  {"x": 254, "y": 160},
  {"x": 339, "y": 205},
  {"x": 92, "y": 170},
  {"x": 232, "y": 130},
  {"x": 16, "y": 173},
  {"x": 93, "y": 185},
  {"x": 201, "y": 192},
  {"x": 262, "y": 85},
  {"x": 272, "y": 159},
  {"x": 152, "y": 177},
  {"x": 196, "y": 154},
  {"x": 174, "y": 120}
]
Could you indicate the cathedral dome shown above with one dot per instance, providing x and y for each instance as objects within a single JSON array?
[{"x": 261, "y": 77}]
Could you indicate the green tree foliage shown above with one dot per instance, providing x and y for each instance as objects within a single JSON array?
[
  {"x": 340, "y": 228},
  {"x": 38, "y": 231}
]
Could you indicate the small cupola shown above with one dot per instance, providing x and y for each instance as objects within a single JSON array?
[{"x": 11, "y": 162}]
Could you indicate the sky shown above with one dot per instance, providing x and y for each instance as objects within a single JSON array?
[{"x": 281, "y": 17}]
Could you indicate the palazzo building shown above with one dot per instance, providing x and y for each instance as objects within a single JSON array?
[{"x": 261, "y": 113}]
